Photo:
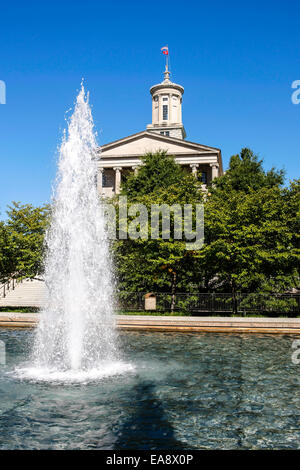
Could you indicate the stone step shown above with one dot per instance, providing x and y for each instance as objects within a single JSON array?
[{"x": 29, "y": 293}]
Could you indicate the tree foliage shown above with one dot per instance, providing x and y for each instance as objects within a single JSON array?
[
  {"x": 6, "y": 258},
  {"x": 251, "y": 230},
  {"x": 246, "y": 173},
  {"x": 21, "y": 240},
  {"x": 157, "y": 173},
  {"x": 158, "y": 264}
]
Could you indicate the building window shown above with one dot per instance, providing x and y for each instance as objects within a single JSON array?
[
  {"x": 104, "y": 179},
  {"x": 107, "y": 179},
  {"x": 167, "y": 133},
  {"x": 203, "y": 177},
  {"x": 162, "y": 133},
  {"x": 165, "y": 99},
  {"x": 155, "y": 98},
  {"x": 165, "y": 112}
]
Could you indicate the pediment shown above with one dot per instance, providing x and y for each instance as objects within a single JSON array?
[{"x": 143, "y": 142}]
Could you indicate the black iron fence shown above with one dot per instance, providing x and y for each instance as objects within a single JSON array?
[
  {"x": 209, "y": 303},
  {"x": 9, "y": 284}
]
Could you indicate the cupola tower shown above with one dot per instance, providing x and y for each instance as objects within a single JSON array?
[{"x": 167, "y": 108}]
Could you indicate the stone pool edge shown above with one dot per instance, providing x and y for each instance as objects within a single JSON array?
[{"x": 178, "y": 324}]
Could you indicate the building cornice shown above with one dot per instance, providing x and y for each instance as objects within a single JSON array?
[
  {"x": 166, "y": 85},
  {"x": 158, "y": 137},
  {"x": 203, "y": 153}
]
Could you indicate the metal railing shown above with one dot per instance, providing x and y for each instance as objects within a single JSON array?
[
  {"x": 218, "y": 303},
  {"x": 9, "y": 285}
]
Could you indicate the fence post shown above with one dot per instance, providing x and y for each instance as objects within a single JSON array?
[{"x": 140, "y": 301}]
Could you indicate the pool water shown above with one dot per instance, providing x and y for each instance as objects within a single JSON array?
[{"x": 183, "y": 391}]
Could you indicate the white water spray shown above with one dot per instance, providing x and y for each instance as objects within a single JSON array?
[{"x": 76, "y": 336}]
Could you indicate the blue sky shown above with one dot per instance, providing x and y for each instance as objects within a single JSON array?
[{"x": 236, "y": 61}]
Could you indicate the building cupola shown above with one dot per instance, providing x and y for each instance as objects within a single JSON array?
[{"x": 167, "y": 108}]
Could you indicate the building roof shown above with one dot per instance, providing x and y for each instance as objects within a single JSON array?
[{"x": 145, "y": 141}]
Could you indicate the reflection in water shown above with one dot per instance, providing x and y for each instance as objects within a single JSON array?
[
  {"x": 187, "y": 391},
  {"x": 146, "y": 426}
]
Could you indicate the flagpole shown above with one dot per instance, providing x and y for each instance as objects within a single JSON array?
[
  {"x": 167, "y": 59},
  {"x": 165, "y": 51}
]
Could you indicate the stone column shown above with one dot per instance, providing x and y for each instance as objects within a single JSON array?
[
  {"x": 135, "y": 169},
  {"x": 180, "y": 108},
  {"x": 117, "y": 179},
  {"x": 194, "y": 167},
  {"x": 160, "y": 113},
  {"x": 99, "y": 180},
  {"x": 214, "y": 170},
  {"x": 153, "y": 109}
]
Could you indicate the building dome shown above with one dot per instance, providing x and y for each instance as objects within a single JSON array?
[{"x": 166, "y": 83}]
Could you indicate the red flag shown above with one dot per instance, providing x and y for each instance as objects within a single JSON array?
[{"x": 165, "y": 50}]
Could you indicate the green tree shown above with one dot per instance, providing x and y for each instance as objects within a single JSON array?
[
  {"x": 249, "y": 244},
  {"x": 26, "y": 227},
  {"x": 246, "y": 173},
  {"x": 251, "y": 232},
  {"x": 6, "y": 258},
  {"x": 158, "y": 171},
  {"x": 163, "y": 265}
]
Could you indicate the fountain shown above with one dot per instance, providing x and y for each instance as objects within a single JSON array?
[
  {"x": 76, "y": 338},
  {"x": 185, "y": 391}
]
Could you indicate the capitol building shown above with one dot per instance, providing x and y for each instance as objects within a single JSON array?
[{"x": 165, "y": 133}]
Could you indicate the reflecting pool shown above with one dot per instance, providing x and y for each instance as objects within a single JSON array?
[{"x": 183, "y": 391}]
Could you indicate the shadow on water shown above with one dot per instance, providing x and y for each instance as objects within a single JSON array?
[{"x": 146, "y": 426}]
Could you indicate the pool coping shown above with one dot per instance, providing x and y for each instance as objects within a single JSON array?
[{"x": 178, "y": 324}]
